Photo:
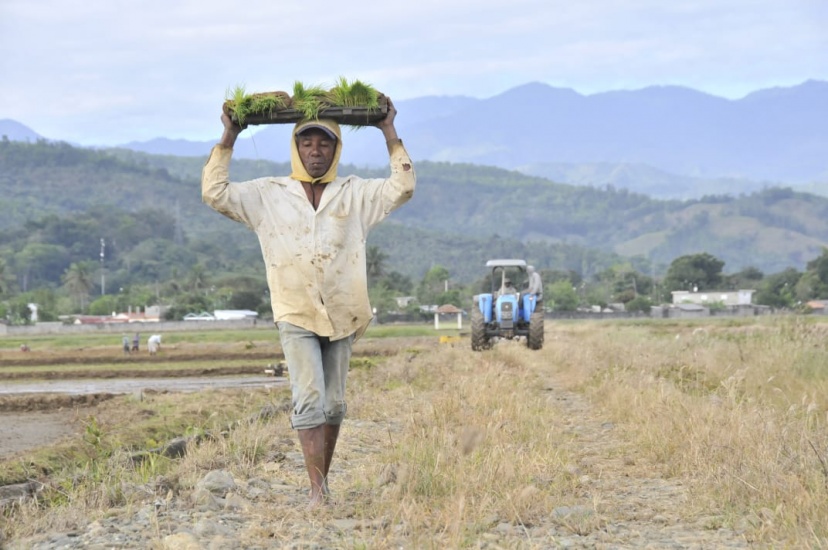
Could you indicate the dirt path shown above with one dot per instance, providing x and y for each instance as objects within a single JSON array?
[{"x": 628, "y": 503}]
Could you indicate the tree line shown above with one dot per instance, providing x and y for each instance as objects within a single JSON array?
[{"x": 63, "y": 266}]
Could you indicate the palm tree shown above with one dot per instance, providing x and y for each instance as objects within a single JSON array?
[
  {"x": 375, "y": 263},
  {"x": 78, "y": 280}
]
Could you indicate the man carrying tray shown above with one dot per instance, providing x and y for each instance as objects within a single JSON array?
[{"x": 312, "y": 227}]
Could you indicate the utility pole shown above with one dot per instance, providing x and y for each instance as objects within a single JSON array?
[{"x": 103, "y": 254}]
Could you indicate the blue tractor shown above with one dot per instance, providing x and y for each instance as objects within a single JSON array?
[{"x": 505, "y": 312}]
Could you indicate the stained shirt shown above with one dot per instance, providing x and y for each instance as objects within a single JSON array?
[{"x": 315, "y": 259}]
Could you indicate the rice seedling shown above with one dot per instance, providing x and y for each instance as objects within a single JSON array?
[
  {"x": 266, "y": 103},
  {"x": 237, "y": 103},
  {"x": 308, "y": 101},
  {"x": 353, "y": 94},
  {"x": 242, "y": 105}
]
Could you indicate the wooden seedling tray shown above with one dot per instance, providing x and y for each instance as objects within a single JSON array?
[{"x": 350, "y": 116}]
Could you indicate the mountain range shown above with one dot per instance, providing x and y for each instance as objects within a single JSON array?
[{"x": 663, "y": 141}]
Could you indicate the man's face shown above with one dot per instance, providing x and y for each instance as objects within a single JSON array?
[{"x": 316, "y": 150}]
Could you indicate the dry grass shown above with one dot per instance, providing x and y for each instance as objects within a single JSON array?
[
  {"x": 738, "y": 410},
  {"x": 442, "y": 444},
  {"x": 471, "y": 447}
]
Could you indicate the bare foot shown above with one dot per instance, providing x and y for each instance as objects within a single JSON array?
[{"x": 317, "y": 499}]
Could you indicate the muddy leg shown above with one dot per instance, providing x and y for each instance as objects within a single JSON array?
[
  {"x": 313, "y": 448},
  {"x": 331, "y": 435}
]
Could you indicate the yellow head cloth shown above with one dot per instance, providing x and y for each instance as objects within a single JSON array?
[{"x": 298, "y": 171}]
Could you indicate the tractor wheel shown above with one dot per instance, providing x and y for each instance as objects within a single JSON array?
[
  {"x": 479, "y": 341},
  {"x": 535, "y": 338}
]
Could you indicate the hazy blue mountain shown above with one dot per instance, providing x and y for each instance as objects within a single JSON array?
[
  {"x": 779, "y": 136},
  {"x": 775, "y": 135},
  {"x": 667, "y": 141},
  {"x": 16, "y": 131}
]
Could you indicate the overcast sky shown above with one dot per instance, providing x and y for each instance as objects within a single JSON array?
[{"x": 103, "y": 72}]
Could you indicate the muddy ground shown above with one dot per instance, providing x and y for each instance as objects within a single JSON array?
[
  {"x": 35, "y": 419},
  {"x": 39, "y": 420},
  {"x": 27, "y": 430}
]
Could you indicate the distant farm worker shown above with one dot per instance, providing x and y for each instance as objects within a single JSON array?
[
  {"x": 125, "y": 342},
  {"x": 312, "y": 227},
  {"x": 154, "y": 344},
  {"x": 535, "y": 283},
  {"x": 135, "y": 340},
  {"x": 25, "y": 347}
]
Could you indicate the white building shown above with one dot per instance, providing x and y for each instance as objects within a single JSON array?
[
  {"x": 234, "y": 314},
  {"x": 740, "y": 297}
]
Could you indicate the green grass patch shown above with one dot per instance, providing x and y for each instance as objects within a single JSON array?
[
  {"x": 258, "y": 336},
  {"x": 407, "y": 331},
  {"x": 263, "y": 335}
]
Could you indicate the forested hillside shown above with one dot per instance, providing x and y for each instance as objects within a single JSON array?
[{"x": 460, "y": 215}]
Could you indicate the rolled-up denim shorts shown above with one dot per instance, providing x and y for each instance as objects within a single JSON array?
[{"x": 318, "y": 368}]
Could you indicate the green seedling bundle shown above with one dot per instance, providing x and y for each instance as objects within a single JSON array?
[{"x": 351, "y": 103}]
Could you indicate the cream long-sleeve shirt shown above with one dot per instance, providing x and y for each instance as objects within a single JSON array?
[{"x": 315, "y": 259}]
